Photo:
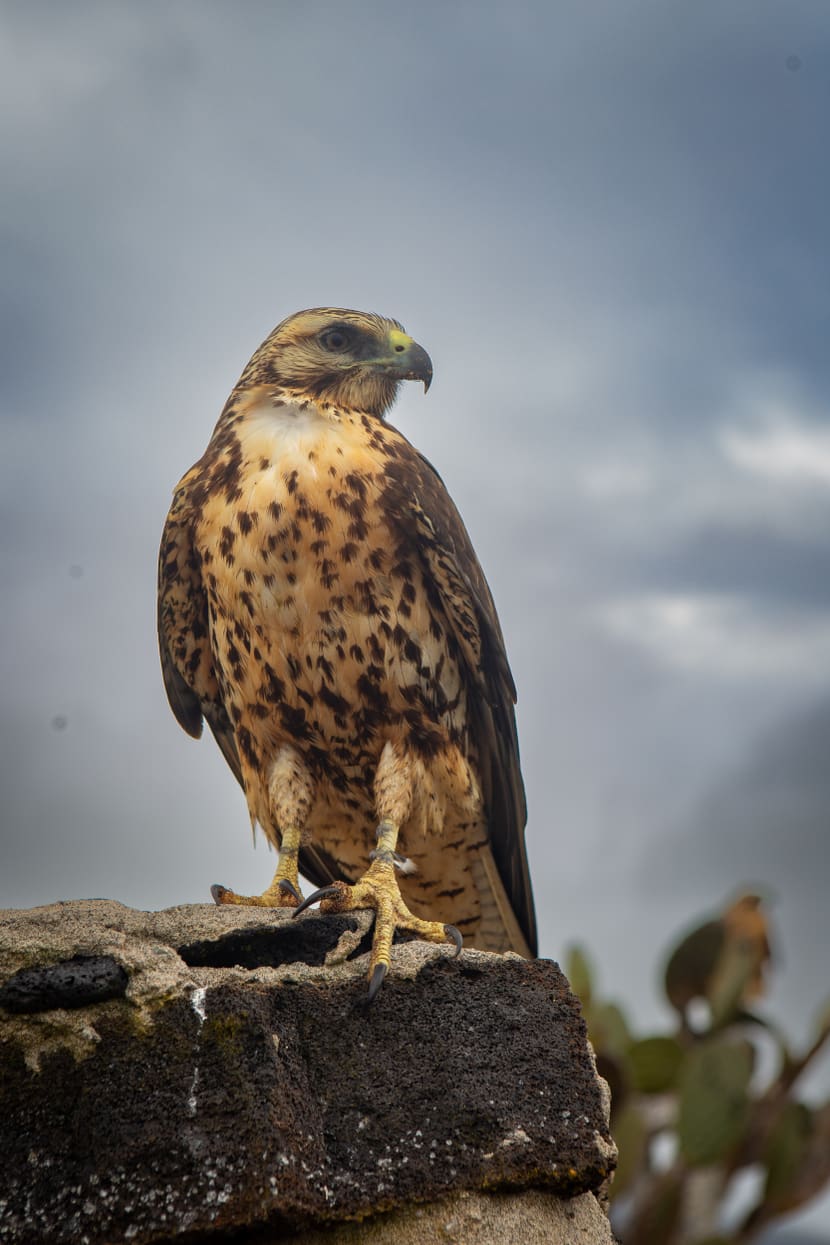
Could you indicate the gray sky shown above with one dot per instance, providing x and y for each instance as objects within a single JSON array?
[{"x": 609, "y": 224}]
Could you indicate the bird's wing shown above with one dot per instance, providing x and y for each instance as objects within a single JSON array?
[
  {"x": 416, "y": 499},
  {"x": 183, "y": 631}
]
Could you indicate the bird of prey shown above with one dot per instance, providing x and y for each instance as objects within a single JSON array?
[{"x": 321, "y": 607}]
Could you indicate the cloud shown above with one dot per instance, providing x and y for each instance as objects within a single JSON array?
[
  {"x": 782, "y": 450},
  {"x": 614, "y": 480},
  {"x": 722, "y": 636}
]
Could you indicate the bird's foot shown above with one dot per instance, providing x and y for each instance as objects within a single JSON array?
[
  {"x": 378, "y": 890},
  {"x": 282, "y": 893}
]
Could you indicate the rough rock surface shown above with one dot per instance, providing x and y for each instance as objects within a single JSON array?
[{"x": 199, "y": 1072}]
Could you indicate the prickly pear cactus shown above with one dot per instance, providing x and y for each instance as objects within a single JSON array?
[
  {"x": 714, "y": 1106},
  {"x": 687, "y": 1115}
]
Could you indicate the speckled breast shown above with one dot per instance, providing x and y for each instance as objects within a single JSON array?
[{"x": 322, "y": 630}]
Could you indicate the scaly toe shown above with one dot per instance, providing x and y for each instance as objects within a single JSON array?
[{"x": 282, "y": 894}]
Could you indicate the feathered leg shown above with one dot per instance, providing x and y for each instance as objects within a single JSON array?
[
  {"x": 378, "y": 887},
  {"x": 290, "y": 792}
]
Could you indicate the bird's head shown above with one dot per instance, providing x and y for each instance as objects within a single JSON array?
[{"x": 348, "y": 359}]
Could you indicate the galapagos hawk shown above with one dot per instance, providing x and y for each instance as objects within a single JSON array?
[{"x": 320, "y": 605}]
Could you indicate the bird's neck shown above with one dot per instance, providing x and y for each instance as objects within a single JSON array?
[
  {"x": 252, "y": 402},
  {"x": 266, "y": 426}
]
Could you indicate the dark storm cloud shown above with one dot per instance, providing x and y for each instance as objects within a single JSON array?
[
  {"x": 774, "y": 807},
  {"x": 752, "y": 560}
]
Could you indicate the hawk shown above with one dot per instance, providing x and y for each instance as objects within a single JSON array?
[{"x": 320, "y": 605}]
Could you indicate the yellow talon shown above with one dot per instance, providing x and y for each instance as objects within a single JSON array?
[
  {"x": 378, "y": 889},
  {"x": 284, "y": 891}
]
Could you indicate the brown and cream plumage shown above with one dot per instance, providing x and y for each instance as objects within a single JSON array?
[{"x": 321, "y": 606}]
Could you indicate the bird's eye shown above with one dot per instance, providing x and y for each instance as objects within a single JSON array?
[{"x": 335, "y": 339}]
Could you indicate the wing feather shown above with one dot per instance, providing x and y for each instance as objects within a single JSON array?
[
  {"x": 416, "y": 498},
  {"x": 183, "y": 632}
]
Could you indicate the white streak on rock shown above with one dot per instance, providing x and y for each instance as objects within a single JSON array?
[{"x": 197, "y": 1002}]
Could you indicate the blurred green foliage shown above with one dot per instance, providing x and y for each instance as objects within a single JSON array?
[{"x": 689, "y": 1112}]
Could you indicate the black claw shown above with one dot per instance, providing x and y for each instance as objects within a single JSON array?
[
  {"x": 217, "y": 891},
  {"x": 325, "y": 892},
  {"x": 378, "y": 975},
  {"x": 290, "y": 889},
  {"x": 455, "y": 935}
]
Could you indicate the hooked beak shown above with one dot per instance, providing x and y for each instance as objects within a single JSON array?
[{"x": 407, "y": 360}]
